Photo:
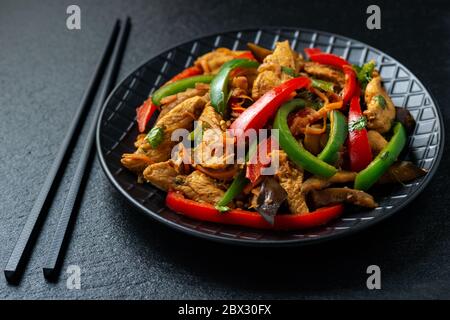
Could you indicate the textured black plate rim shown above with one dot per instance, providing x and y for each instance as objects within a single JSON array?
[{"x": 272, "y": 243}]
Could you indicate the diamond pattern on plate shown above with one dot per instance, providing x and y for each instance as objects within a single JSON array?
[
  {"x": 117, "y": 130},
  {"x": 400, "y": 87}
]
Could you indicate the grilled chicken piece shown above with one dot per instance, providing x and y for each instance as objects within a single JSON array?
[
  {"x": 321, "y": 198},
  {"x": 180, "y": 117},
  {"x": 284, "y": 56},
  {"x": 380, "y": 111},
  {"x": 140, "y": 139},
  {"x": 199, "y": 187},
  {"x": 212, "y": 61},
  {"x": 211, "y": 152},
  {"x": 181, "y": 158},
  {"x": 321, "y": 71},
  {"x": 210, "y": 119},
  {"x": 270, "y": 74},
  {"x": 377, "y": 141},
  {"x": 135, "y": 162},
  {"x": 170, "y": 102},
  {"x": 265, "y": 81},
  {"x": 239, "y": 87},
  {"x": 290, "y": 178},
  {"x": 240, "y": 82},
  {"x": 318, "y": 183},
  {"x": 161, "y": 175}
]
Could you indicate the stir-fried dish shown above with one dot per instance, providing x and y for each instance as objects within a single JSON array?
[{"x": 331, "y": 134}]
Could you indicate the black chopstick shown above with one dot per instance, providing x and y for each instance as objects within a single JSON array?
[
  {"x": 60, "y": 239},
  {"x": 24, "y": 244}
]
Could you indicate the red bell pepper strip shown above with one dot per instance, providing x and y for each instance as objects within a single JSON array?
[
  {"x": 144, "y": 113},
  {"x": 351, "y": 84},
  {"x": 358, "y": 143},
  {"x": 187, "y": 73},
  {"x": 256, "y": 164},
  {"x": 257, "y": 115},
  {"x": 329, "y": 59},
  {"x": 206, "y": 212},
  {"x": 246, "y": 55},
  {"x": 311, "y": 51}
]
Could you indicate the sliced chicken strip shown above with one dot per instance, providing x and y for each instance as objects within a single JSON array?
[
  {"x": 170, "y": 102},
  {"x": 210, "y": 119},
  {"x": 290, "y": 178},
  {"x": 180, "y": 117},
  {"x": 284, "y": 56},
  {"x": 265, "y": 81},
  {"x": 135, "y": 162},
  {"x": 211, "y": 152},
  {"x": 321, "y": 71},
  {"x": 270, "y": 71},
  {"x": 161, "y": 175},
  {"x": 212, "y": 61},
  {"x": 380, "y": 111},
  {"x": 199, "y": 187}
]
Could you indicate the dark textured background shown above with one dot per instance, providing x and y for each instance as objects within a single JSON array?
[{"x": 44, "y": 69}]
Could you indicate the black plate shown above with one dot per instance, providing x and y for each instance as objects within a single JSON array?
[{"x": 117, "y": 130}]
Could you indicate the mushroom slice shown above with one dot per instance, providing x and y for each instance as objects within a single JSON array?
[{"x": 321, "y": 198}]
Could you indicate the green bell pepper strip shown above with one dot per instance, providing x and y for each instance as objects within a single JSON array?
[
  {"x": 178, "y": 86},
  {"x": 236, "y": 187},
  {"x": 367, "y": 177},
  {"x": 295, "y": 150},
  {"x": 239, "y": 182},
  {"x": 337, "y": 136},
  {"x": 219, "y": 85}
]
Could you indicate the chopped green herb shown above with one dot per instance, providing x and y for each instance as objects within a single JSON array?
[
  {"x": 222, "y": 209},
  {"x": 381, "y": 101},
  {"x": 155, "y": 137},
  {"x": 364, "y": 73},
  {"x": 356, "y": 68},
  {"x": 289, "y": 71},
  {"x": 357, "y": 124},
  {"x": 323, "y": 85}
]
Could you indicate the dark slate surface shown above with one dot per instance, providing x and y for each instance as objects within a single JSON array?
[{"x": 44, "y": 69}]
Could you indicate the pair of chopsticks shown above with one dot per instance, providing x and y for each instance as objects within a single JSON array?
[{"x": 14, "y": 268}]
